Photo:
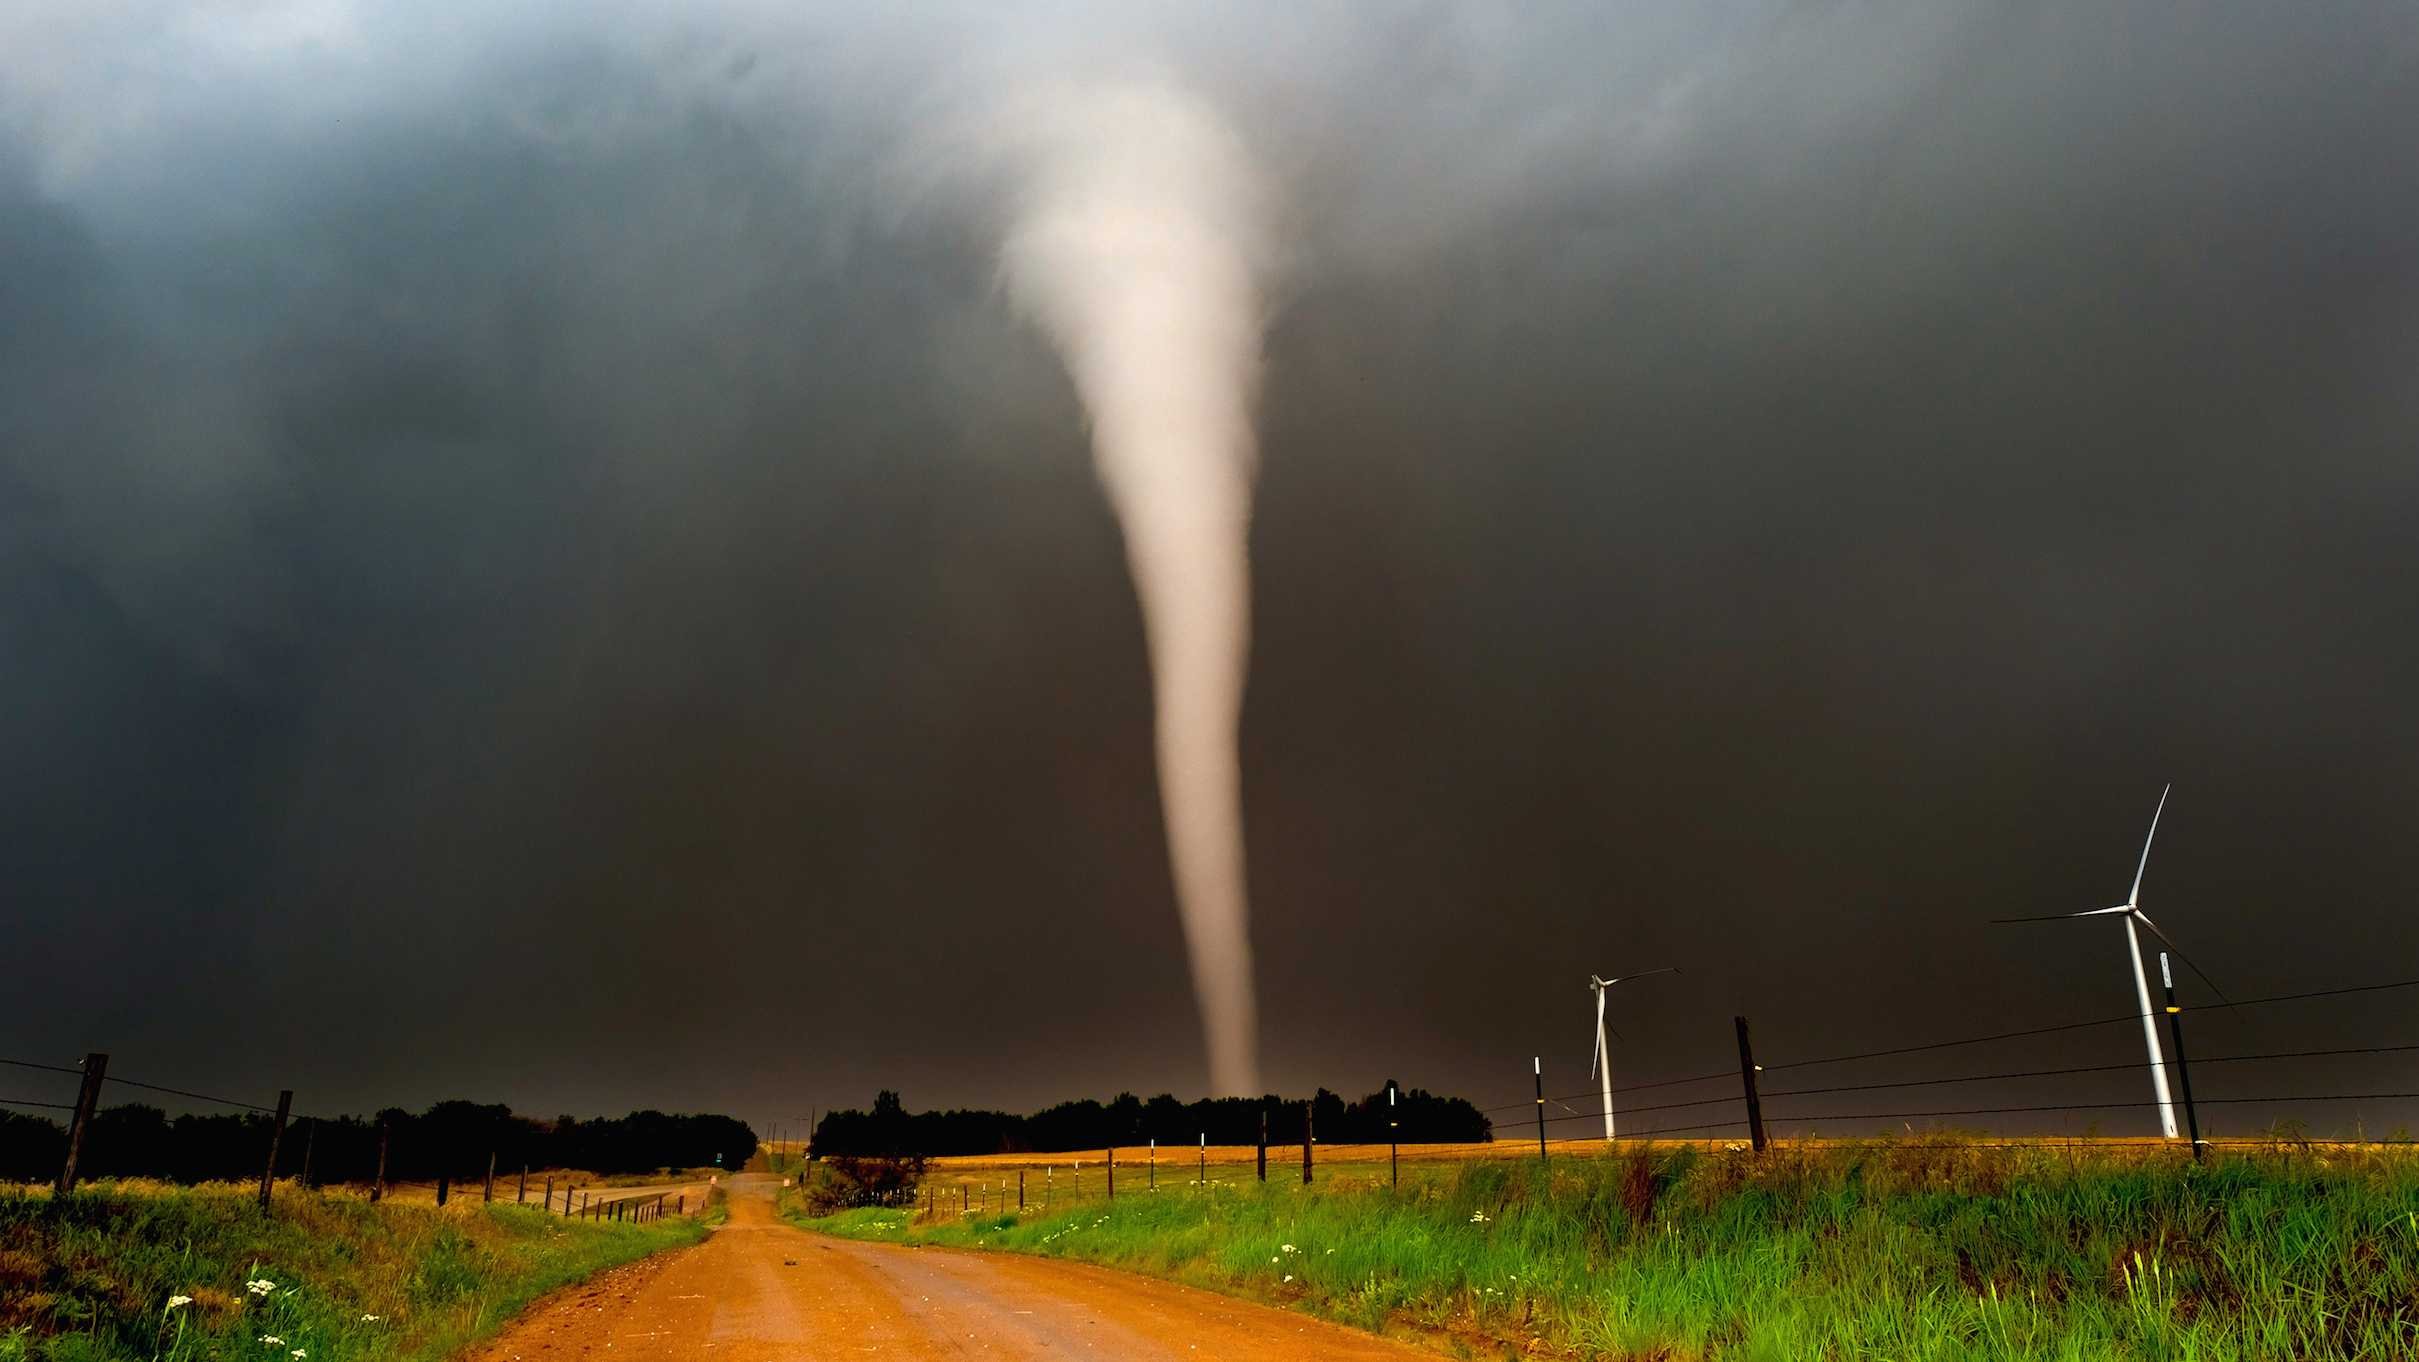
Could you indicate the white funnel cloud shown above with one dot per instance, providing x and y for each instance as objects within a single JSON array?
[{"x": 1136, "y": 240}]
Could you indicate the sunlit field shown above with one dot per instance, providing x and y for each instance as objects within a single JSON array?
[{"x": 1919, "y": 1248}]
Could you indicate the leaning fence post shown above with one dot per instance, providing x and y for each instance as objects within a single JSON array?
[
  {"x": 88, "y": 1096},
  {"x": 488, "y": 1193},
  {"x": 310, "y": 1139},
  {"x": 445, "y": 1181},
  {"x": 521, "y": 1196},
  {"x": 1747, "y": 1072},
  {"x": 277, "y": 1132}
]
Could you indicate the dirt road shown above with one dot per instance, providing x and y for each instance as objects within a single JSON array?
[{"x": 762, "y": 1291}]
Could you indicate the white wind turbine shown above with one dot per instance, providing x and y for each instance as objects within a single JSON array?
[
  {"x": 1601, "y": 1064},
  {"x": 2131, "y": 909}
]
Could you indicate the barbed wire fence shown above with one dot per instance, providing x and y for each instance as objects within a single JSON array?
[
  {"x": 1002, "y": 1184},
  {"x": 1024, "y": 1182},
  {"x": 574, "y": 1200}
]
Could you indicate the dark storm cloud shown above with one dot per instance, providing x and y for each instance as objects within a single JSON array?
[{"x": 537, "y": 566}]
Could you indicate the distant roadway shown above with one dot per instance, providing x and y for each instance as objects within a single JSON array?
[{"x": 759, "y": 1290}]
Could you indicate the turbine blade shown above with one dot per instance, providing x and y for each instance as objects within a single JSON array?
[
  {"x": 2178, "y": 952},
  {"x": 2134, "y": 899},
  {"x": 1644, "y": 973},
  {"x": 2067, "y": 917}
]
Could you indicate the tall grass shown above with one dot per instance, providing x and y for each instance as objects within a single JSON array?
[
  {"x": 92, "y": 1276},
  {"x": 1908, "y": 1250}
]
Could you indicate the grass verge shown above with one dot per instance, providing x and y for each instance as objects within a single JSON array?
[
  {"x": 1926, "y": 1249},
  {"x": 93, "y": 1276}
]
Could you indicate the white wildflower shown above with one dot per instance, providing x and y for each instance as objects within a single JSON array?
[
  {"x": 369, "y": 1319},
  {"x": 176, "y": 1301},
  {"x": 1285, "y": 1248},
  {"x": 261, "y": 1287},
  {"x": 273, "y": 1340},
  {"x": 300, "y": 1353},
  {"x": 1289, "y": 1276}
]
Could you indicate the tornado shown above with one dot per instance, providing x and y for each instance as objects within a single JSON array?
[{"x": 1135, "y": 242}]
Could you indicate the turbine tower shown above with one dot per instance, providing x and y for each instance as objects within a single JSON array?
[
  {"x": 2131, "y": 909},
  {"x": 1601, "y": 1064}
]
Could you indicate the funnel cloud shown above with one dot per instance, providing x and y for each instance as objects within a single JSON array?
[{"x": 1135, "y": 245}]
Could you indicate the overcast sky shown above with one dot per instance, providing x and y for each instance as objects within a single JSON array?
[{"x": 536, "y": 563}]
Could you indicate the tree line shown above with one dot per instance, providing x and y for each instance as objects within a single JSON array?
[
  {"x": 451, "y": 1138},
  {"x": 1420, "y": 1117}
]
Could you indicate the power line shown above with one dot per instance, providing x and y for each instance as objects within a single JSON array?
[
  {"x": 197, "y": 1096},
  {"x": 2083, "y": 1069},
  {"x": 53, "y": 1068},
  {"x": 1952, "y": 1044},
  {"x": 21, "y": 1102}
]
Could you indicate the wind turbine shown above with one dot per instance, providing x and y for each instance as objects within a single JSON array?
[
  {"x": 2131, "y": 909},
  {"x": 1601, "y": 1063}
]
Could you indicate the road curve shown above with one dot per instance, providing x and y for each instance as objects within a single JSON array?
[{"x": 759, "y": 1290}]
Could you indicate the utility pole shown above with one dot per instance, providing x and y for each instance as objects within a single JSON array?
[
  {"x": 2183, "y": 1071},
  {"x": 88, "y": 1097},
  {"x": 1747, "y": 1072}
]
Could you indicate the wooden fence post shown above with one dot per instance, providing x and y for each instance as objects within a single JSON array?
[
  {"x": 277, "y": 1132},
  {"x": 88, "y": 1097},
  {"x": 1263, "y": 1142},
  {"x": 1306, "y": 1138},
  {"x": 1747, "y": 1072},
  {"x": 488, "y": 1192},
  {"x": 1112, "y": 1173},
  {"x": 1537, "y": 1066},
  {"x": 521, "y": 1197},
  {"x": 1020, "y": 1189},
  {"x": 310, "y": 1141},
  {"x": 378, "y": 1183}
]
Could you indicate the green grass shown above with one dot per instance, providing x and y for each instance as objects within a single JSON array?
[
  {"x": 1904, "y": 1251},
  {"x": 91, "y": 1277}
]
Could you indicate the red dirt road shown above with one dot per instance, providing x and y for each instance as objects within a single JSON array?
[{"x": 762, "y": 1291}]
